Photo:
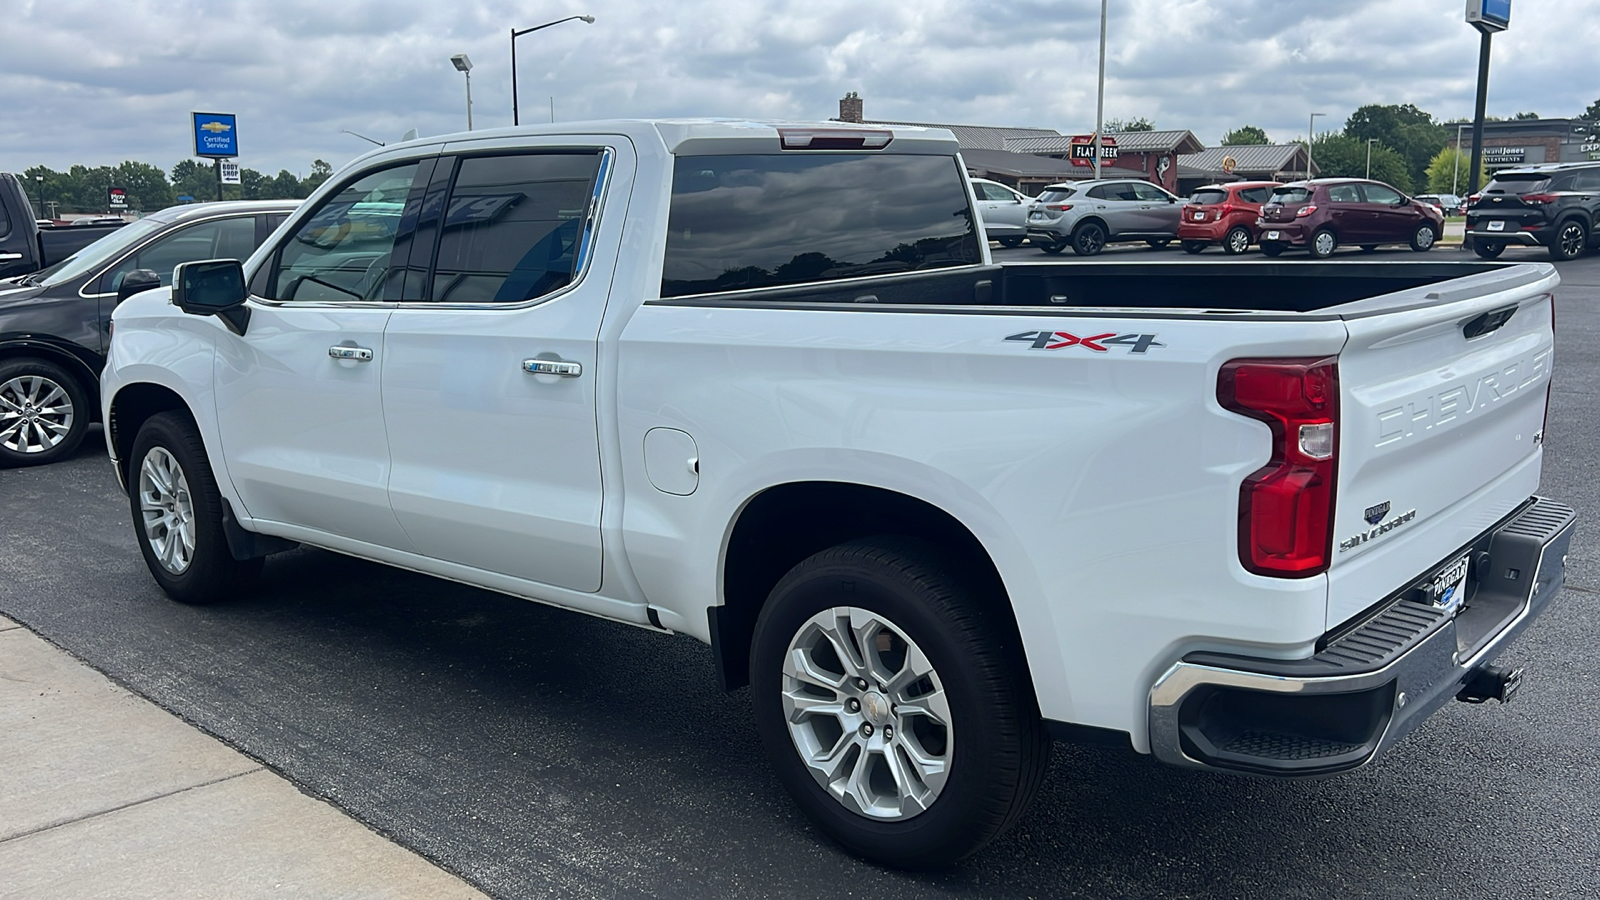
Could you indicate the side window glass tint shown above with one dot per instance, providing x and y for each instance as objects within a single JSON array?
[
  {"x": 1344, "y": 193},
  {"x": 224, "y": 239},
  {"x": 1588, "y": 180},
  {"x": 342, "y": 251},
  {"x": 1101, "y": 192},
  {"x": 1150, "y": 193},
  {"x": 1377, "y": 193},
  {"x": 5, "y": 221},
  {"x": 511, "y": 227},
  {"x": 1255, "y": 195}
]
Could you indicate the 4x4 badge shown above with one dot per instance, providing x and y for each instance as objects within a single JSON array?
[{"x": 1099, "y": 343}]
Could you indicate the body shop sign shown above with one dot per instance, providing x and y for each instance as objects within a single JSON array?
[{"x": 216, "y": 135}]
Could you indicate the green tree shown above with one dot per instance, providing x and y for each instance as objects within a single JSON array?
[
  {"x": 1524, "y": 116},
  {"x": 194, "y": 179},
  {"x": 284, "y": 186},
  {"x": 320, "y": 172},
  {"x": 1245, "y": 134},
  {"x": 1593, "y": 112},
  {"x": 146, "y": 185},
  {"x": 1140, "y": 124},
  {"x": 1448, "y": 172},
  {"x": 1403, "y": 128},
  {"x": 1341, "y": 156}
]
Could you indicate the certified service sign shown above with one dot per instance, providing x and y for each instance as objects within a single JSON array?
[{"x": 216, "y": 135}]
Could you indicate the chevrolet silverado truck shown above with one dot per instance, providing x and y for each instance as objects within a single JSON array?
[
  {"x": 25, "y": 246},
  {"x": 762, "y": 385}
]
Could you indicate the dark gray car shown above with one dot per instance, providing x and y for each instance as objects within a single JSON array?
[{"x": 1087, "y": 215}]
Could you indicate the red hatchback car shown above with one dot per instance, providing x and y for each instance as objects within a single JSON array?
[
  {"x": 1323, "y": 213},
  {"x": 1225, "y": 214}
]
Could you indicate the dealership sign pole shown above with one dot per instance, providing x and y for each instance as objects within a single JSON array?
[
  {"x": 1488, "y": 16},
  {"x": 216, "y": 137}
]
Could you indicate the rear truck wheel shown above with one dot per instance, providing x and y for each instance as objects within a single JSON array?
[
  {"x": 1158, "y": 243},
  {"x": 1051, "y": 248},
  {"x": 1571, "y": 239},
  {"x": 1323, "y": 243},
  {"x": 1010, "y": 241},
  {"x": 1088, "y": 239},
  {"x": 44, "y": 412},
  {"x": 1272, "y": 248},
  {"x": 893, "y": 706},
  {"x": 1423, "y": 239},
  {"x": 1488, "y": 249},
  {"x": 1194, "y": 246},
  {"x": 177, "y": 515},
  {"x": 1237, "y": 240}
]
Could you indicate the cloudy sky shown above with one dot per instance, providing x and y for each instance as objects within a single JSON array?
[{"x": 100, "y": 81}]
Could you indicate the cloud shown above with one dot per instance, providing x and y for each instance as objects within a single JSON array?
[{"x": 96, "y": 82}]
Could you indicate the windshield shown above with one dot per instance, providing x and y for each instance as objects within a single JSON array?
[
  {"x": 1054, "y": 196},
  {"x": 1208, "y": 197},
  {"x": 100, "y": 252},
  {"x": 1290, "y": 195}
]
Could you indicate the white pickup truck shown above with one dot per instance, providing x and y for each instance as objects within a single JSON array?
[{"x": 761, "y": 384}]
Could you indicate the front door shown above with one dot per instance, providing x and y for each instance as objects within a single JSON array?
[
  {"x": 490, "y": 379},
  {"x": 1393, "y": 219},
  {"x": 298, "y": 395}
]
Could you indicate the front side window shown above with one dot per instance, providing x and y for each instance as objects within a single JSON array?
[
  {"x": 752, "y": 221},
  {"x": 512, "y": 226},
  {"x": 1150, "y": 193},
  {"x": 342, "y": 251},
  {"x": 1587, "y": 180},
  {"x": 223, "y": 239},
  {"x": 1377, "y": 193}
]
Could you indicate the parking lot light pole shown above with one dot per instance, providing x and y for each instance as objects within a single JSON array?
[
  {"x": 1455, "y": 176},
  {"x": 464, "y": 65},
  {"x": 1370, "y": 142},
  {"x": 515, "y": 116},
  {"x": 1100, "y": 95},
  {"x": 1311, "y": 134},
  {"x": 42, "y": 204}
]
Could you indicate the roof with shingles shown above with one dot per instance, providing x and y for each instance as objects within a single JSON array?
[
  {"x": 979, "y": 137},
  {"x": 1182, "y": 141},
  {"x": 1253, "y": 158}
]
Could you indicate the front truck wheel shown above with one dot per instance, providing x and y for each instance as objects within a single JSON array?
[
  {"x": 177, "y": 515},
  {"x": 893, "y": 705}
]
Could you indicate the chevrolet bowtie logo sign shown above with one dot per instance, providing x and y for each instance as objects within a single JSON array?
[{"x": 217, "y": 127}]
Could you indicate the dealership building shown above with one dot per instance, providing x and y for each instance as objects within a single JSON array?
[{"x": 1531, "y": 142}]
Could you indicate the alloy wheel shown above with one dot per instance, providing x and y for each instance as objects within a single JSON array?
[
  {"x": 35, "y": 414},
  {"x": 1571, "y": 239},
  {"x": 166, "y": 510},
  {"x": 1238, "y": 240},
  {"x": 867, "y": 713}
]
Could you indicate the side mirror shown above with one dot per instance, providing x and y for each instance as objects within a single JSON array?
[
  {"x": 1403, "y": 201},
  {"x": 213, "y": 287},
  {"x": 1171, "y": 199},
  {"x": 136, "y": 281}
]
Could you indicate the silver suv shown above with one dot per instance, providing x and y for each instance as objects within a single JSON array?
[{"x": 1090, "y": 214}]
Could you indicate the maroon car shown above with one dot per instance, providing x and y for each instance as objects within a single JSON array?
[
  {"x": 1323, "y": 213},
  {"x": 1225, "y": 214}
]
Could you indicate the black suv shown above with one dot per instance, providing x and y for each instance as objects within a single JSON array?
[
  {"x": 1553, "y": 206},
  {"x": 55, "y": 323}
]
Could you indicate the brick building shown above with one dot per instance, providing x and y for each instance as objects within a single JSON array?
[{"x": 1530, "y": 142}]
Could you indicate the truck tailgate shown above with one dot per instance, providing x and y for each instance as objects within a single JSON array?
[{"x": 1441, "y": 415}]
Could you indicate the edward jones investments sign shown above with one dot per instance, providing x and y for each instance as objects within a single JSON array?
[{"x": 216, "y": 135}]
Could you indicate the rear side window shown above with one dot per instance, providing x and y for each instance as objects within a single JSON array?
[
  {"x": 1208, "y": 198},
  {"x": 511, "y": 228},
  {"x": 1255, "y": 194},
  {"x": 752, "y": 221},
  {"x": 1291, "y": 195}
]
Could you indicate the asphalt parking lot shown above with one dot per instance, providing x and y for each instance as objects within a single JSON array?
[{"x": 542, "y": 753}]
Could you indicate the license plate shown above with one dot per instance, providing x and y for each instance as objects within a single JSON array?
[
  {"x": 1199, "y": 217},
  {"x": 1449, "y": 587},
  {"x": 1497, "y": 225},
  {"x": 1271, "y": 235}
]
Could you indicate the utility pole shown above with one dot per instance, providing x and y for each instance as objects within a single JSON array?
[
  {"x": 1100, "y": 94},
  {"x": 1311, "y": 135}
]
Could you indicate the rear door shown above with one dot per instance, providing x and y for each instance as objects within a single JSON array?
[
  {"x": 1352, "y": 219},
  {"x": 1118, "y": 205},
  {"x": 1442, "y": 417}
]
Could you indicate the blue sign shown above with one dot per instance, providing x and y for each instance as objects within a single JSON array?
[
  {"x": 216, "y": 135},
  {"x": 1489, "y": 15}
]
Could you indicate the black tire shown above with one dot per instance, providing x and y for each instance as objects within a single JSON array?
[
  {"x": 1088, "y": 239},
  {"x": 1423, "y": 239},
  {"x": 1236, "y": 241},
  {"x": 44, "y": 412},
  {"x": 1323, "y": 243},
  {"x": 1488, "y": 249},
  {"x": 1195, "y": 246},
  {"x": 1570, "y": 241},
  {"x": 996, "y": 744},
  {"x": 1051, "y": 249},
  {"x": 1010, "y": 241},
  {"x": 211, "y": 574},
  {"x": 1158, "y": 243},
  {"x": 1272, "y": 248},
  {"x": 1369, "y": 248}
]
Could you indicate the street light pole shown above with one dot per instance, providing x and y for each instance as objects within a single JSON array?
[
  {"x": 1370, "y": 142},
  {"x": 1100, "y": 95},
  {"x": 463, "y": 65},
  {"x": 515, "y": 115},
  {"x": 1311, "y": 134},
  {"x": 1455, "y": 176}
]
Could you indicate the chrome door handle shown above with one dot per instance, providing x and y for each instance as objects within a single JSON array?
[
  {"x": 552, "y": 367},
  {"x": 6, "y": 257},
  {"x": 359, "y": 354}
]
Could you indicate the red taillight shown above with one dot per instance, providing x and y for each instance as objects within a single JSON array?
[
  {"x": 1539, "y": 199},
  {"x": 1059, "y": 207},
  {"x": 1473, "y": 199},
  {"x": 1304, "y": 211},
  {"x": 1286, "y": 506},
  {"x": 1225, "y": 209}
]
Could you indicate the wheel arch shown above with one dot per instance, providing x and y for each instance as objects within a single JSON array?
[
  {"x": 50, "y": 351},
  {"x": 1098, "y": 220},
  {"x": 786, "y": 523},
  {"x": 130, "y": 407}
]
